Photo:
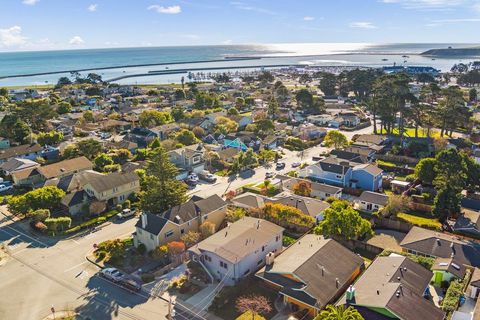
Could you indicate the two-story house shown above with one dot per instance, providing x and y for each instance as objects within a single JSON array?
[
  {"x": 312, "y": 272},
  {"x": 239, "y": 249},
  {"x": 155, "y": 230},
  {"x": 188, "y": 159},
  {"x": 113, "y": 188},
  {"x": 344, "y": 173}
]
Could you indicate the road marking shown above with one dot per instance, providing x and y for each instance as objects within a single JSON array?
[{"x": 75, "y": 266}]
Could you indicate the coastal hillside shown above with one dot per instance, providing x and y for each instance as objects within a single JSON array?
[{"x": 453, "y": 52}]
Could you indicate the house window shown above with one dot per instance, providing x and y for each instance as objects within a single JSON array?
[
  {"x": 122, "y": 197},
  {"x": 115, "y": 189},
  {"x": 223, "y": 265},
  {"x": 338, "y": 176},
  {"x": 169, "y": 233},
  {"x": 208, "y": 258},
  {"x": 327, "y": 195},
  {"x": 196, "y": 159},
  {"x": 182, "y": 231},
  {"x": 277, "y": 238}
]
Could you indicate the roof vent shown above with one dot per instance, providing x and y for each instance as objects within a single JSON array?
[
  {"x": 337, "y": 282},
  {"x": 439, "y": 242}
]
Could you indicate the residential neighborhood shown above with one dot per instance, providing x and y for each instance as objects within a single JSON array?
[{"x": 288, "y": 193}]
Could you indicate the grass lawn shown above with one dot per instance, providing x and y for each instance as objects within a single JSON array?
[
  {"x": 224, "y": 304},
  {"x": 222, "y": 173},
  {"x": 410, "y": 132},
  {"x": 420, "y": 221}
]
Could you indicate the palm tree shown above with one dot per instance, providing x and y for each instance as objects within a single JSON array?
[{"x": 339, "y": 313}]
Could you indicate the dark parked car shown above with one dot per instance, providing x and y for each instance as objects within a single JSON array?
[
  {"x": 280, "y": 165},
  {"x": 130, "y": 285}
]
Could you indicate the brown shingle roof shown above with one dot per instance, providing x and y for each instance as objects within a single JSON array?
[
  {"x": 65, "y": 167},
  {"x": 19, "y": 150},
  {"x": 107, "y": 182},
  {"x": 240, "y": 238}
]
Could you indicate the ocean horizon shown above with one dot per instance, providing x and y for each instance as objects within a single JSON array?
[{"x": 117, "y": 62}]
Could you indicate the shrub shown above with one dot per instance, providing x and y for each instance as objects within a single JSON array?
[
  {"x": 118, "y": 207},
  {"x": 450, "y": 302},
  {"x": 127, "y": 204},
  {"x": 429, "y": 223},
  {"x": 39, "y": 215},
  {"x": 331, "y": 199},
  {"x": 287, "y": 241},
  {"x": 141, "y": 249},
  {"x": 147, "y": 277}
]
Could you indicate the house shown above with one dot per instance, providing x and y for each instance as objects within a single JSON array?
[
  {"x": 309, "y": 206},
  {"x": 320, "y": 120},
  {"x": 38, "y": 175},
  {"x": 343, "y": 173},
  {"x": 113, "y": 188},
  {"x": 348, "y": 119},
  {"x": 4, "y": 143},
  {"x": 439, "y": 245},
  {"x": 239, "y": 249},
  {"x": 272, "y": 142},
  {"x": 318, "y": 190},
  {"x": 447, "y": 269},
  {"x": 473, "y": 289},
  {"x": 312, "y": 272},
  {"x": 371, "y": 139},
  {"x": 468, "y": 222},
  {"x": 371, "y": 201},
  {"x": 393, "y": 287},
  {"x": 17, "y": 164},
  {"x": 25, "y": 151},
  {"x": 228, "y": 154},
  {"x": 249, "y": 200},
  {"x": 242, "y": 120},
  {"x": 141, "y": 136},
  {"x": 399, "y": 186},
  {"x": 154, "y": 230},
  {"x": 476, "y": 155},
  {"x": 164, "y": 131},
  {"x": 188, "y": 159},
  {"x": 75, "y": 202}
]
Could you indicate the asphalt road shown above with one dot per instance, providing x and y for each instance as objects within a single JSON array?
[{"x": 41, "y": 273}]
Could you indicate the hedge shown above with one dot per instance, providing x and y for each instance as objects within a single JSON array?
[
  {"x": 97, "y": 220},
  {"x": 429, "y": 223},
  {"x": 450, "y": 302}
]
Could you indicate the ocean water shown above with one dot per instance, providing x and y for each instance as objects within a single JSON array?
[{"x": 130, "y": 61}]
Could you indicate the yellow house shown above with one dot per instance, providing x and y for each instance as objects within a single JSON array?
[
  {"x": 155, "y": 230},
  {"x": 312, "y": 272},
  {"x": 113, "y": 188}
]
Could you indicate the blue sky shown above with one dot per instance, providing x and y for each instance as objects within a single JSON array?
[{"x": 70, "y": 24}]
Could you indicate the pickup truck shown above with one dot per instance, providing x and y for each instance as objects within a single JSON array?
[
  {"x": 126, "y": 213},
  {"x": 207, "y": 176}
]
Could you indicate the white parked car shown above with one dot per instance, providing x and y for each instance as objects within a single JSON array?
[
  {"x": 192, "y": 177},
  {"x": 5, "y": 187},
  {"x": 126, "y": 213},
  {"x": 112, "y": 274}
]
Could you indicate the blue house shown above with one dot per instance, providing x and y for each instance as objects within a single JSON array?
[
  {"x": 343, "y": 173},
  {"x": 236, "y": 144}
]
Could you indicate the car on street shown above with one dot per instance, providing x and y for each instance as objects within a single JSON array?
[
  {"x": 296, "y": 164},
  {"x": 126, "y": 213},
  {"x": 269, "y": 175},
  {"x": 4, "y": 187},
  {"x": 193, "y": 177},
  {"x": 280, "y": 165},
  {"x": 130, "y": 285},
  {"x": 207, "y": 176},
  {"x": 112, "y": 274}
]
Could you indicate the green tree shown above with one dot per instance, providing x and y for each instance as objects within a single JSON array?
[
  {"x": 161, "y": 190},
  {"x": 341, "y": 220},
  {"x": 101, "y": 161},
  {"x": 120, "y": 156},
  {"x": 178, "y": 113},
  {"x": 186, "y": 137},
  {"x": 249, "y": 159},
  {"x": 472, "y": 94},
  {"x": 336, "y": 139},
  {"x": 328, "y": 82},
  {"x": 88, "y": 116},
  {"x": 272, "y": 107},
  {"x": 153, "y": 118},
  {"x": 21, "y": 132},
  {"x": 332, "y": 312},
  {"x": 42, "y": 198},
  {"x": 89, "y": 148},
  {"x": 64, "y": 107},
  {"x": 233, "y": 111},
  {"x": 51, "y": 138},
  {"x": 425, "y": 170},
  {"x": 304, "y": 99}
]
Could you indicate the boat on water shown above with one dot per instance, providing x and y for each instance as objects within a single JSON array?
[
  {"x": 384, "y": 59},
  {"x": 405, "y": 56}
]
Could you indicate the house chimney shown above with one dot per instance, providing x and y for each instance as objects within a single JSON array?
[
  {"x": 144, "y": 220},
  {"x": 351, "y": 293}
]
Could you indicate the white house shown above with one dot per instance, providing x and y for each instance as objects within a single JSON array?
[
  {"x": 238, "y": 250},
  {"x": 371, "y": 201}
]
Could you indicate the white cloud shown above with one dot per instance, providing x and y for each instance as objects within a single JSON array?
[
  {"x": 308, "y": 18},
  {"x": 227, "y": 42},
  {"x": 12, "y": 37},
  {"x": 76, "y": 41},
  {"x": 246, "y": 7},
  {"x": 362, "y": 25},
  {"x": 165, "y": 10},
  {"x": 427, "y": 4},
  {"x": 30, "y": 2},
  {"x": 92, "y": 7}
]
